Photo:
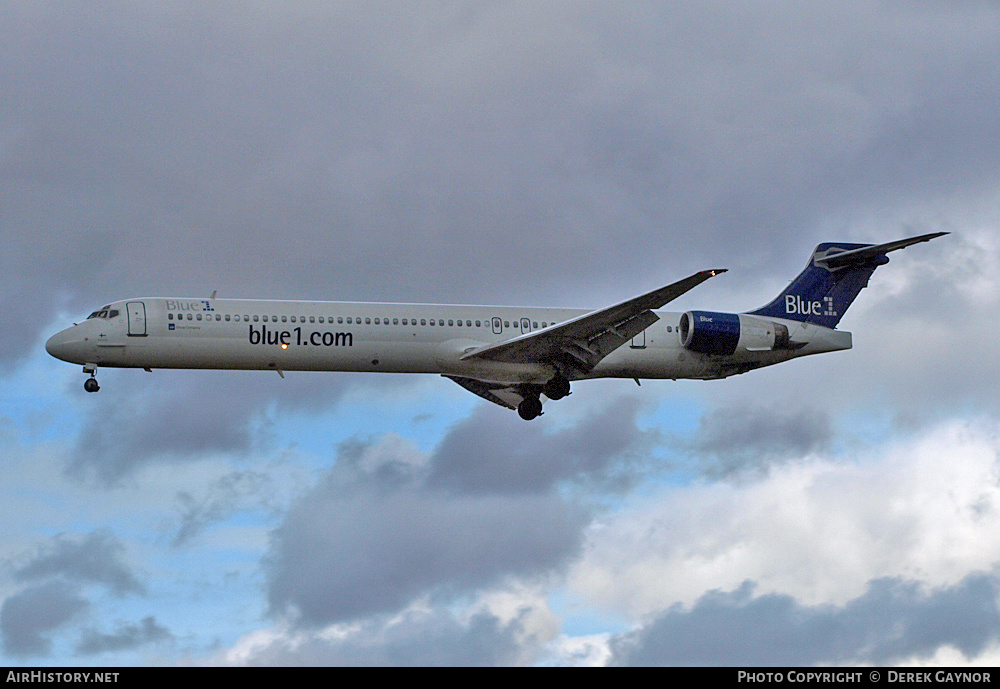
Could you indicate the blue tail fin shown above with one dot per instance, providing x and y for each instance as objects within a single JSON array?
[{"x": 835, "y": 275}]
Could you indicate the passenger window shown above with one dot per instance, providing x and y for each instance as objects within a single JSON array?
[
  {"x": 422, "y": 322},
  {"x": 368, "y": 321},
  {"x": 535, "y": 325},
  {"x": 377, "y": 322},
  {"x": 284, "y": 319},
  {"x": 451, "y": 322},
  {"x": 293, "y": 319},
  {"x": 395, "y": 321},
  {"x": 506, "y": 324},
  {"x": 312, "y": 319},
  {"x": 349, "y": 321},
  {"x": 255, "y": 318}
]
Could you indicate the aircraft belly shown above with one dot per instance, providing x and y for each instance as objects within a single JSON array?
[{"x": 650, "y": 362}]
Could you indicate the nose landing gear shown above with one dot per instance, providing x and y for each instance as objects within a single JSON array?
[{"x": 90, "y": 385}]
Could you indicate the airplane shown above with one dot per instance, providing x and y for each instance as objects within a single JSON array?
[{"x": 511, "y": 356}]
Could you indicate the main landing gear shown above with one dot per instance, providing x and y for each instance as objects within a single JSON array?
[
  {"x": 90, "y": 385},
  {"x": 557, "y": 387},
  {"x": 531, "y": 406}
]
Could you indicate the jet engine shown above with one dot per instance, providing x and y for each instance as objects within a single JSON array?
[{"x": 710, "y": 332}]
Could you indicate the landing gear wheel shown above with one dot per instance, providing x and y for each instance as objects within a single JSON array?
[
  {"x": 529, "y": 408},
  {"x": 90, "y": 385},
  {"x": 556, "y": 388}
]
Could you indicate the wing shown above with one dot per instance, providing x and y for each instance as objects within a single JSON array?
[{"x": 580, "y": 343}]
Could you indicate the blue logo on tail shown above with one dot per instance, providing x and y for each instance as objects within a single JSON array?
[
  {"x": 820, "y": 294},
  {"x": 795, "y": 305}
]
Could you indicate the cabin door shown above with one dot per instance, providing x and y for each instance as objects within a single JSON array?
[{"x": 136, "y": 318}]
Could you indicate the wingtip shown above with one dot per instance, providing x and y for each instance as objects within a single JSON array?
[{"x": 927, "y": 237}]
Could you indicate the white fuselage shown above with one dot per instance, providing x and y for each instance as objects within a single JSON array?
[{"x": 393, "y": 338}]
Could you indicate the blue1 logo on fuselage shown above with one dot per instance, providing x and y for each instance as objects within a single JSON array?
[{"x": 178, "y": 305}]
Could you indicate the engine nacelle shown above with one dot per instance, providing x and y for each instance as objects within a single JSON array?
[{"x": 711, "y": 332}]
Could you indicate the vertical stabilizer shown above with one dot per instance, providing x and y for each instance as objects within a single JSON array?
[{"x": 833, "y": 278}]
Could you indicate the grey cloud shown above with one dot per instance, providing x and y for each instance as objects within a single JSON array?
[
  {"x": 98, "y": 557},
  {"x": 382, "y": 529},
  {"x": 746, "y": 437},
  {"x": 893, "y": 621},
  {"x": 180, "y": 415},
  {"x": 494, "y": 452},
  {"x": 127, "y": 636},
  {"x": 345, "y": 552},
  {"x": 224, "y": 496},
  {"x": 939, "y": 330},
  {"x": 26, "y": 617},
  {"x": 285, "y": 156},
  {"x": 432, "y": 638}
]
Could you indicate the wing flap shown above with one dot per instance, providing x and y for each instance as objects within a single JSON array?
[{"x": 503, "y": 395}]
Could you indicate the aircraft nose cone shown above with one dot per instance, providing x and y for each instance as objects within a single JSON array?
[{"x": 59, "y": 345}]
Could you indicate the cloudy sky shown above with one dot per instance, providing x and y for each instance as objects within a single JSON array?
[{"x": 841, "y": 509}]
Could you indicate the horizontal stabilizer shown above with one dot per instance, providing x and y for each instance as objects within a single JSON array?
[{"x": 869, "y": 253}]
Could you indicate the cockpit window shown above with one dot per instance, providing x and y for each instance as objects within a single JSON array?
[{"x": 104, "y": 312}]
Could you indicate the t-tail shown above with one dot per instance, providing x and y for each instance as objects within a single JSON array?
[{"x": 835, "y": 275}]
